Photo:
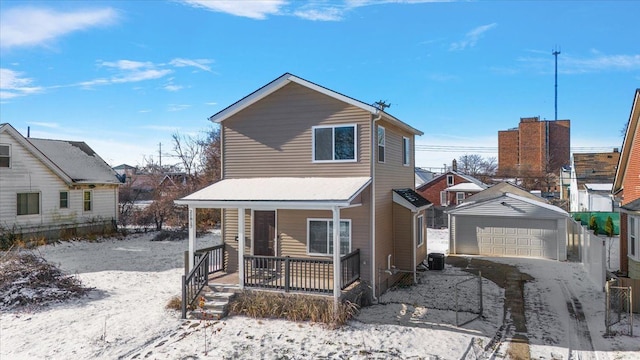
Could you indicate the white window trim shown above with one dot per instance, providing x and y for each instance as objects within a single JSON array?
[
  {"x": 459, "y": 198},
  {"x": 406, "y": 151},
  {"x": 10, "y": 158},
  {"x": 309, "y": 220},
  {"x": 39, "y": 204},
  {"x": 636, "y": 221},
  {"x": 446, "y": 198},
  {"x": 68, "y": 199},
  {"x": 90, "y": 201},
  {"x": 420, "y": 230},
  {"x": 333, "y": 145},
  {"x": 384, "y": 144},
  {"x": 452, "y": 182}
]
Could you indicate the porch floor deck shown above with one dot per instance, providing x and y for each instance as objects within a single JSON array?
[{"x": 232, "y": 280}]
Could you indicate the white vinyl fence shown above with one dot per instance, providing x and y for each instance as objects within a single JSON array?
[{"x": 592, "y": 250}]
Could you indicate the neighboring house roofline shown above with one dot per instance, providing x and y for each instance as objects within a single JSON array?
[
  {"x": 469, "y": 178},
  {"x": 625, "y": 154},
  {"x": 35, "y": 152},
  {"x": 287, "y": 78}
]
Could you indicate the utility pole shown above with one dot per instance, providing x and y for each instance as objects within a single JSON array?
[{"x": 555, "y": 53}]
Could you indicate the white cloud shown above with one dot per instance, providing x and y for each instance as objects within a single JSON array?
[
  {"x": 172, "y": 87},
  {"x": 177, "y": 107},
  {"x": 254, "y": 9},
  {"x": 202, "y": 64},
  {"x": 320, "y": 14},
  {"x": 472, "y": 37},
  {"x": 127, "y": 71},
  {"x": 31, "y": 26},
  {"x": 13, "y": 84}
]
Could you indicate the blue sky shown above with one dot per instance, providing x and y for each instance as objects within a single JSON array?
[{"x": 124, "y": 75}]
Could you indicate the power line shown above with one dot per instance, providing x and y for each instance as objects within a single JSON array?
[{"x": 494, "y": 149}]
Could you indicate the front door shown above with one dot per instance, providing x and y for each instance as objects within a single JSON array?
[{"x": 264, "y": 233}]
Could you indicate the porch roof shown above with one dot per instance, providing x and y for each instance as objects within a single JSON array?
[{"x": 279, "y": 193}]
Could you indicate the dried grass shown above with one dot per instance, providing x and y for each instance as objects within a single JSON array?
[{"x": 292, "y": 307}]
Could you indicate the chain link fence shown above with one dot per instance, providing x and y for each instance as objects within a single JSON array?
[{"x": 618, "y": 309}]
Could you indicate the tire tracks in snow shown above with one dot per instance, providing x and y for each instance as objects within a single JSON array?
[{"x": 580, "y": 343}]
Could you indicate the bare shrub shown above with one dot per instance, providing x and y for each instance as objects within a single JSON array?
[{"x": 29, "y": 280}]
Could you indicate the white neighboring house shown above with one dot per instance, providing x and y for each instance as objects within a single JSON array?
[
  {"x": 50, "y": 185},
  {"x": 592, "y": 177}
]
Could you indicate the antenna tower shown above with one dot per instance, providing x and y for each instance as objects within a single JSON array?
[{"x": 555, "y": 53}]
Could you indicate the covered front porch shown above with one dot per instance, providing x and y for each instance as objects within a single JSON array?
[{"x": 271, "y": 228}]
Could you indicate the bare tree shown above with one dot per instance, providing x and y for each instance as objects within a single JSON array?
[{"x": 188, "y": 150}]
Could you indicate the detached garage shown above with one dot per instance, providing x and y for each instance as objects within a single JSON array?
[{"x": 508, "y": 225}]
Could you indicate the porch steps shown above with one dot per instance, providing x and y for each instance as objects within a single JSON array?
[{"x": 216, "y": 302}]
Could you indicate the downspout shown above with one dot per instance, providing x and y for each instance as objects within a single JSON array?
[{"x": 373, "y": 204}]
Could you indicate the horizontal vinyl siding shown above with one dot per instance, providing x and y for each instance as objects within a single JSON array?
[
  {"x": 28, "y": 175},
  {"x": 273, "y": 137},
  {"x": 388, "y": 176},
  {"x": 230, "y": 231},
  {"x": 402, "y": 231}
]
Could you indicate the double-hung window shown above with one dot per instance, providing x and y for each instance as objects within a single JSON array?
[
  {"x": 459, "y": 197},
  {"x": 320, "y": 236},
  {"x": 450, "y": 180},
  {"x": 381, "y": 143},
  {"x": 64, "y": 199},
  {"x": 5, "y": 156},
  {"x": 406, "y": 151},
  {"x": 334, "y": 143},
  {"x": 443, "y": 198},
  {"x": 87, "y": 201},
  {"x": 28, "y": 203}
]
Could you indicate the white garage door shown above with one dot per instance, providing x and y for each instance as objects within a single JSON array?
[{"x": 506, "y": 237}]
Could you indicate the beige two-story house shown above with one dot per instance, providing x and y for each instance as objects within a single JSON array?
[{"x": 298, "y": 158}]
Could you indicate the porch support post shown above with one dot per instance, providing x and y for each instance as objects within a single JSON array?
[
  {"x": 336, "y": 258},
  {"x": 192, "y": 236},
  {"x": 241, "y": 248}
]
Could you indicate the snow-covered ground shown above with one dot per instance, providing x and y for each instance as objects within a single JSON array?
[{"x": 125, "y": 316}]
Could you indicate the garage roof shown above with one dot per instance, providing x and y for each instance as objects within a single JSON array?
[{"x": 510, "y": 205}]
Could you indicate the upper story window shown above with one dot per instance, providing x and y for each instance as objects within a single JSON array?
[
  {"x": 87, "y": 200},
  {"x": 28, "y": 203},
  {"x": 5, "y": 156},
  {"x": 381, "y": 143},
  {"x": 64, "y": 199},
  {"x": 334, "y": 143},
  {"x": 459, "y": 197},
  {"x": 450, "y": 180},
  {"x": 406, "y": 151}
]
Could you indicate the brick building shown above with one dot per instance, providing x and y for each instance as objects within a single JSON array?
[{"x": 534, "y": 148}]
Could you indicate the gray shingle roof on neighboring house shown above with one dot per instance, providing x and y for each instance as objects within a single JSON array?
[
  {"x": 77, "y": 160},
  {"x": 633, "y": 206}
]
